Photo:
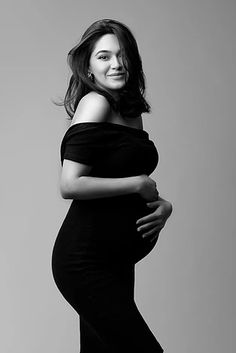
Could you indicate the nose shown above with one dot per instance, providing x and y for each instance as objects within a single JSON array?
[{"x": 116, "y": 62}]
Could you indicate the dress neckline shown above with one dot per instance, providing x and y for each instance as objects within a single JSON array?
[{"x": 113, "y": 125}]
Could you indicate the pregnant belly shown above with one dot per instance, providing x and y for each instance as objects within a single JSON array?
[{"x": 105, "y": 229}]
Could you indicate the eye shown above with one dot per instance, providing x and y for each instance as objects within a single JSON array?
[{"x": 103, "y": 57}]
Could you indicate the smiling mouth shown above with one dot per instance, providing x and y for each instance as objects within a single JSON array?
[{"x": 117, "y": 75}]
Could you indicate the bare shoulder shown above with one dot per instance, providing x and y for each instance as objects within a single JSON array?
[{"x": 93, "y": 107}]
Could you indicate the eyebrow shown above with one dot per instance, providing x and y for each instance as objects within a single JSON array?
[{"x": 104, "y": 51}]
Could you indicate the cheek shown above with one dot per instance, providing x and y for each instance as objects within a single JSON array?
[
  {"x": 99, "y": 70},
  {"x": 100, "y": 77},
  {"x": 101, "y": 73}
]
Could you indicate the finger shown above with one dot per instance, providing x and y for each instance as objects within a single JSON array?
[
  {"x": 149, "y": 218},
  {"x": 150, "y": 233},
  {"x": 153, "y": 231},
  {"x": 154, "y": 204},
  {"x": 150, "y": 225}
]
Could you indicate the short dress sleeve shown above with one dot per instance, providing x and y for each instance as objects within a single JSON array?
[{"x": 82, "y": 143}]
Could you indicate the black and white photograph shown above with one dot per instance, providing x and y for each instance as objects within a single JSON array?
[{"x": 118, "y": 176}]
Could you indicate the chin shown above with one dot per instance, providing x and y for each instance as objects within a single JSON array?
[{"x": 117, "y": 86}]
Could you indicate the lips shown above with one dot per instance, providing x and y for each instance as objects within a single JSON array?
[{"x": 117, "y": 74}]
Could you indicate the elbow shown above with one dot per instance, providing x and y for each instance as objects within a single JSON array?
[
  {"x": 66, "y": 191},
  {"x": 71, "y": 189},
  {"x": 65, "y": 195}
]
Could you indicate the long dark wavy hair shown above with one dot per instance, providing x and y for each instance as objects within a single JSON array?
[{"x": 131, "y": 101}]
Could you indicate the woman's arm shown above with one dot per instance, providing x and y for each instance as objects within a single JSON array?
[{"x": 77, "y": 184}]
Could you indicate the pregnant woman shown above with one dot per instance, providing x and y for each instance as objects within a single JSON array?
[{"x": 116, "y": 212}]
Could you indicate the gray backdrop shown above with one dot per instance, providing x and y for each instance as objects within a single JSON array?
[{"x": 185, "y": 288}]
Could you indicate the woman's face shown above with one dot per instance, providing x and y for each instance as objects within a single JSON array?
[{"x": 106, "y": 63}]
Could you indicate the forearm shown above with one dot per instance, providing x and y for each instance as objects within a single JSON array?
[{"x": 87, "y": 187}]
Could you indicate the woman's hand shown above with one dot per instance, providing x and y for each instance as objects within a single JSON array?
[
  {"x": 147, "y": 188},
  {"x": 151, "y": 225}
]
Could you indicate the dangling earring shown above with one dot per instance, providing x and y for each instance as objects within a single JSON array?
[{"x": 91, "y": 76}]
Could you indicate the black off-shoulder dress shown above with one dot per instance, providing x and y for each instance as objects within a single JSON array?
[{"x": 97, "y": 247}]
